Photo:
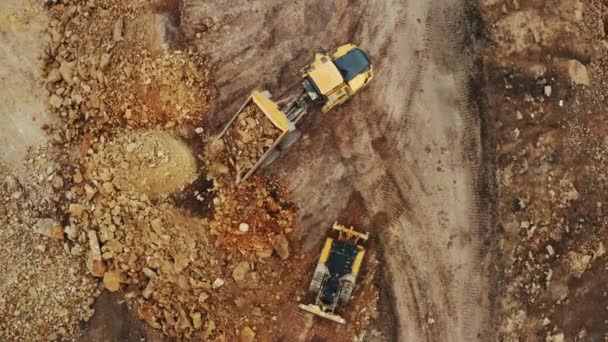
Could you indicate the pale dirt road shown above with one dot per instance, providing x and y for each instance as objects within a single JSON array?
[
  {"x": 22, "y": 112},
  {"x": 407, "y": 150}
]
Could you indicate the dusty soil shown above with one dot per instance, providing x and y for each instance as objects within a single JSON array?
[
  {"x": 403, "y": 159},
  {"x": 407, "y": 159},
  {"x": 545, "y": 66},
  {"x": 23, "y": 112}
]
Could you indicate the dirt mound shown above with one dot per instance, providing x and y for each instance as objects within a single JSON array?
[
  {"x": 155, "y": 163},
  {"x": 103, "y": 71},
  {"x": 172, "y": 265}
]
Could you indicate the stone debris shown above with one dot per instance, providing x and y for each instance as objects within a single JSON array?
[
  {"x": 97, "y": 268},
  {"x": 203, "y": 297},
  {"x": 243, "y": 227},
  {"x": 578, "y": 263},
  {"x": 55, "y": 101},
  {"x": 49, "y": 227},
  {"x": 95, "y": 250},
  {"x": 54, "y": 76},
  {"x": 217, "y": 283},
  {"x": 66, "y": 70},
  {"x": 250, "y": 136},
  {"x": 240, "y": 272},
  {"x": 111, "y": 281},
  {"x": 76, "y": 210},
  {"x": 267, "y": 215},
  {"x": 578, "y": 72},
  {"x": 93, "y": 65},
  {"x": 558, "y": 337},
  {"x": 118, "y": 29},
  {"x": 57, "y": 182},
  {"x": 550, "y": 245},
  {"x": 247, "y": 335},
  {"x": 600, "y": 251},
  {"x": 44, "y": 291},
  {"x": 281, "y": 245},
  {"x": 129, "y": 240}
]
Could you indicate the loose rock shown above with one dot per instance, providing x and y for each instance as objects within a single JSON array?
[
  {"x": 118, "y": 29},
  {"x": 247, "y": 335},
  {"x": 217, "y": 283},
  {"x": 243, "y": 227},
  {"x": 578, "y": 72},
  {"x": 111, "y": 281},
  {"x": 240, "y": 272},
  {"x": 49, "y": 227},
  {"x": 67, "y": 70},
  {"x": 281, "y": 245}
]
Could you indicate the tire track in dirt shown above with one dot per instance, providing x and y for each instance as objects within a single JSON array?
[
  {"x": 468, "y": 300},
  {"x": 393, "y": 200},
  {"x": 381, "y": 224},
  {"x": 389, "y": 184},
  {"x": 479, "y": 213},
  {"x": 421, "y": 66},
  {"x": 384, "y": 144}
]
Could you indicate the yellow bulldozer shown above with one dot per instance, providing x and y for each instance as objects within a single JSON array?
[
  {"x": 336, "y": 272},
  {"x": 330, "y": 80}
]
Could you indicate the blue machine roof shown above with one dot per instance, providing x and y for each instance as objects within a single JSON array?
[{"x": 352, "y": 64}]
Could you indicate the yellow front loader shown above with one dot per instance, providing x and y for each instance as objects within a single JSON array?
[{"x": 330, "y": 80}]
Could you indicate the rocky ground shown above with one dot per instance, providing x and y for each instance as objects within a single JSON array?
[
  {"x": 115, "y": 205},
  {"x": 546, "y": 76},
  {"x": 119, "y": 199},
  {"x": 44, "y": 288}
]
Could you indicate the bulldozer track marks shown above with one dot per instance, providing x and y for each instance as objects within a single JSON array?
[
  {"x": 459, "y": 307},
  {"x": 479, "y": 212},
  {"x": 416, "y": 102},
  {"x": 393, "y": 199},
  {"x": 421, "y": 65}
]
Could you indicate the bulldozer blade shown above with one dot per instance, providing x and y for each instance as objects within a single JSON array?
[{"x": 316, "y": 310}]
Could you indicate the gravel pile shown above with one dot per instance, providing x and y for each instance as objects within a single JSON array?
[
  {"x": 170, "y": 264},
  {"x": 94, "y": 209},
  {"x": 100, "y": 71},
  {"x": 44, "y": 290}
]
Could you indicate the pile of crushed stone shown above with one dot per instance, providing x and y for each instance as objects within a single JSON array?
[
  {"x": 44, "y": 290},
  {"x": 102, "y": 71},
  {"x": 167, "y": 261}
]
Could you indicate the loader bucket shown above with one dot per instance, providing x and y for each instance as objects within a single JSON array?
[{"x": 316, "y": 310}]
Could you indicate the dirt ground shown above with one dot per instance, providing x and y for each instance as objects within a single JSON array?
[
  {"x": 474, "y": 158},
  {"x": 23, "y": 111},
  {"x": 546, "y": 72},
  {"x": 402, "y": 160}
]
